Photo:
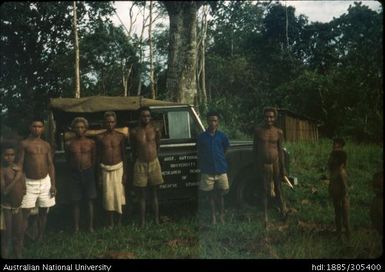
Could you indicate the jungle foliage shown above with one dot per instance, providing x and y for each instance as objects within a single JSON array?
[{"x": 331, "y": 72}]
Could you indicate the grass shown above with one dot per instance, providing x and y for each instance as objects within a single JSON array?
[{"x": 307, "y": 234}]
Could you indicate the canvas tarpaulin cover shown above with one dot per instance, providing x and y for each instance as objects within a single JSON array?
[{"x": 104, "y": 103}]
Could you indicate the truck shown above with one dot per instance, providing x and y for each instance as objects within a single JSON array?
[{"x": 180, "y": 125}]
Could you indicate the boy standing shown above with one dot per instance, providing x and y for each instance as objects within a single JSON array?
[
  {"x": 212, "y": 145},
  {"x": 12, "y": 192},
  {"x": 81, "y": 156},
  {"x": 35, "y": 157},
  {"x": 338, "y": 189}
]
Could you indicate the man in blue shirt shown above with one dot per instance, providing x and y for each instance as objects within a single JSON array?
[{"x": 212, "y": 145}]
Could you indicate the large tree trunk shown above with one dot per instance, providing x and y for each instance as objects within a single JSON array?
[
  {"x": 201, "y": 53},
  {"x": 181, "y": 76}
]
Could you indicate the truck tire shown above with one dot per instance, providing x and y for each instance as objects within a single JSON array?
[{"x": 248, "y": 191}]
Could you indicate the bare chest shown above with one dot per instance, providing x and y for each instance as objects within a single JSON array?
[
  {"x": 37, "y": 148},
  {"x": 9, "y": 175},
  {"x": 80, "y": 147},
  {"x": 145, "y": 136},
  {"x": 270, "y": 136},
  {"x": 111, "y": 141}
]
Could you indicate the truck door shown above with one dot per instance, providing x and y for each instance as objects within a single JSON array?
[{"x": 178, "y": 154}]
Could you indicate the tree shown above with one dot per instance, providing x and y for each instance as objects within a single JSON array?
[
  {"x": 201, "y": 59},
  {"x": 76, "y": 45},
  {"x": 37, "y": 55},
  {"x": 342, "y": 83},
  {"x": 181, "y": 77},
  {"x": 359, "y": 45},
  {"x": 106, "y": 56}
]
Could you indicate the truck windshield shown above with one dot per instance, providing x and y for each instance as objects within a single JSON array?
[
  {"x": 181, "y": 127},
  {"x": 175, "y": 124}
]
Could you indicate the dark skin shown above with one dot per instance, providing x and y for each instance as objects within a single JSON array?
[
  {"x": 268, "y": 151},
  {"x": 82, "y": 155},
  {"x": 13, "y": 190},
  {"x": 110, "y": 151},
  {"x": 216, "y": 195},
  {"x": 35, "y": 158},
  {"x": 337, "y": 146},
  {"x": 338, "y": 189},
  {"x": 145, "y": 141}
]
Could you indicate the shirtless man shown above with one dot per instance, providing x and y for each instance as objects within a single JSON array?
[
  {"x": 269, "y": 159},
  {"x": 110, "y": 153},
  {"x": 81, "y": 155},
  {"x": 35, "y": 157},
  {"x": 145, "y": 145}
]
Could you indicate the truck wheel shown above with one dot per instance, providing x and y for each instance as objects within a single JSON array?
[{"x": 248, "y": 192}]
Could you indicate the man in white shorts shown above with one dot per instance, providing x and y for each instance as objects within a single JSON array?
[
  {"x": 212, "y": 145},
  {"x": 35, "y": 157}
]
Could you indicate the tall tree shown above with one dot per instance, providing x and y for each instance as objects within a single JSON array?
[
  {"x": 181, "y": 77},
  {"x": 150, "y": 43},
  {"x": 37, "y": 54},
  {"x": 76, "y": 47},
  {"x": 106, "y": 54},
  {"x": 201, "y": 59}
]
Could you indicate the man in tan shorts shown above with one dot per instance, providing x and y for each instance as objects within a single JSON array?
[
  {"x": 212, "y": 145},
  {"x": 144, "y": 141}
]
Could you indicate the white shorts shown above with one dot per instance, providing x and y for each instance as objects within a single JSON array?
[
  {"x": 208, "y": 182},
  {"x": 38, "y": 193}
]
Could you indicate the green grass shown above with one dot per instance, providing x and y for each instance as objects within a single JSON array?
[{"x": 307, "y": 234}]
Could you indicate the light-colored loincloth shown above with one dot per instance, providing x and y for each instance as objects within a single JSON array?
[{"x": 113, "y": 189}]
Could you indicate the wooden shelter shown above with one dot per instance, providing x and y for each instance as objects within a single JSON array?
[{"x": 297, "y": 127}]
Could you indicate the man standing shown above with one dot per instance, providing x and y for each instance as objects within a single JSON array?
[
  {"x": 81, "y": 154},
  {"x": 212, "y": 145},
  {"x": 35, "y": 157},
  {"x": 269, "y": 159},
  {"x": 147, "y": 171},
  {"x": 110, "y": 152}
]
